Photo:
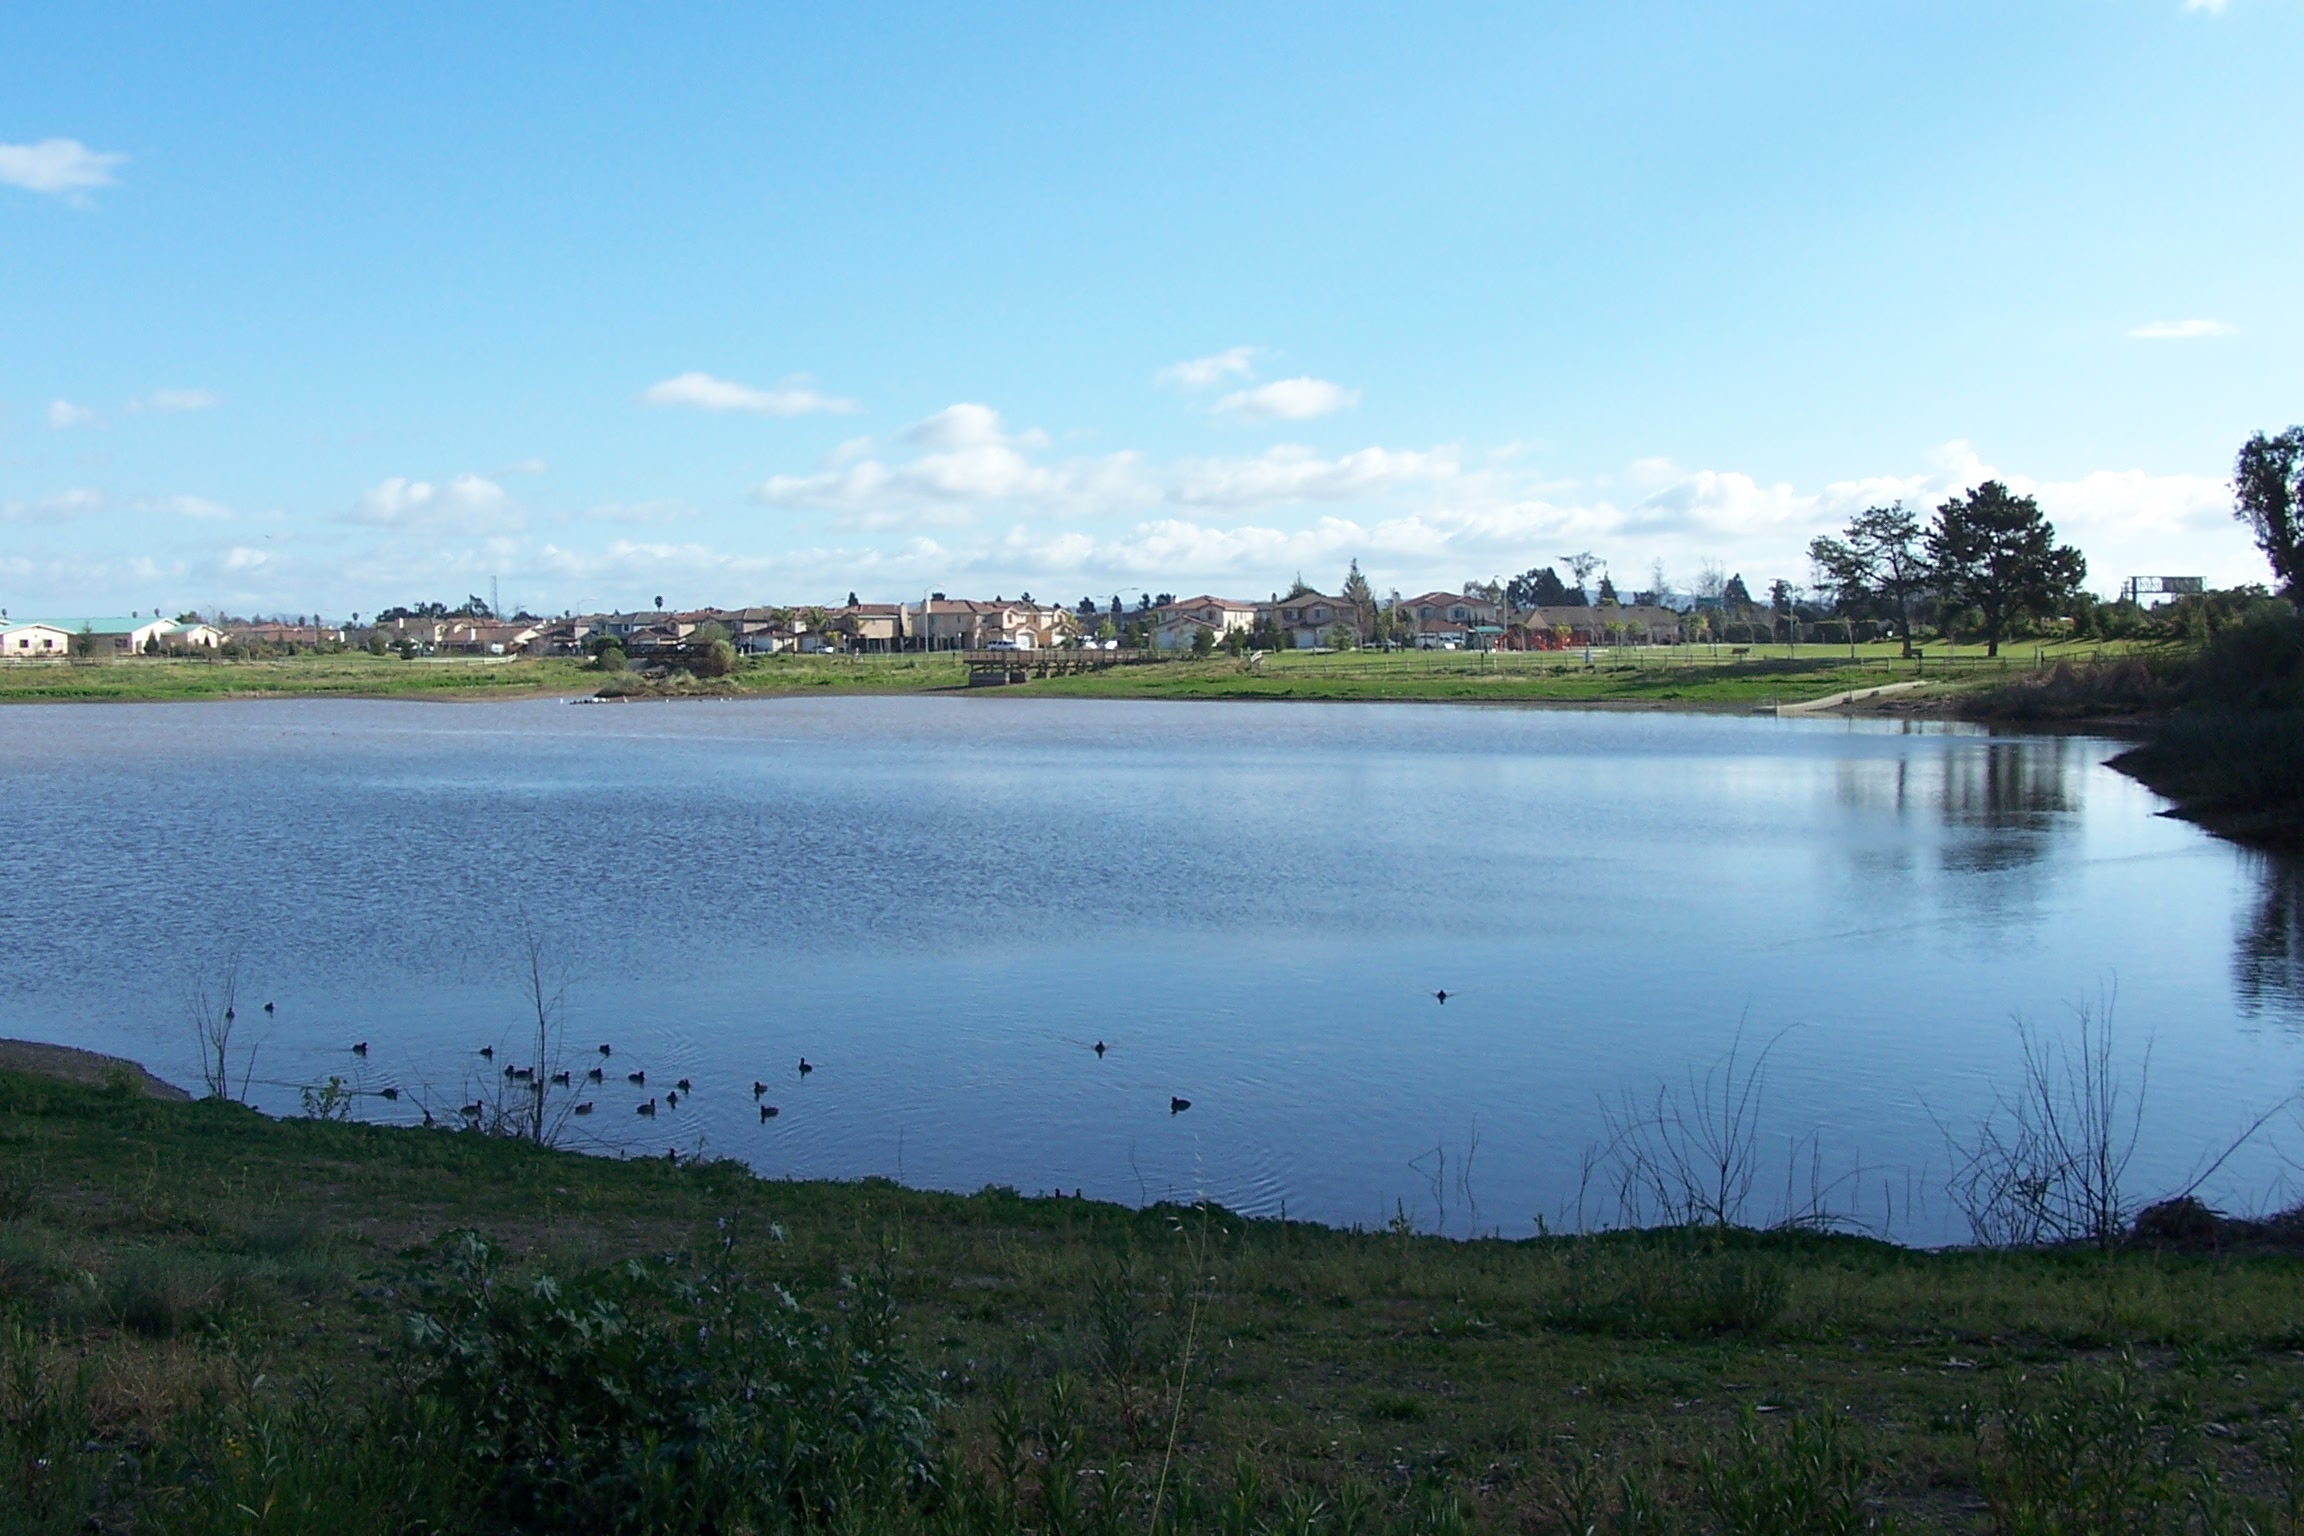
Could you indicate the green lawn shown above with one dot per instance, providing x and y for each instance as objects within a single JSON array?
[
  {"x": 352, "y": 673},
  {"x": 1693, "y": 677},
  {"x": 180, "y": 1271}
]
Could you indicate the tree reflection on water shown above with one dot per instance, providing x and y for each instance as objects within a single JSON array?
[{"x": 2268, "y": 962}]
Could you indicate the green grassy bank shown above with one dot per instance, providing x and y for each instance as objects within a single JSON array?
[
  {"x": 1690, "y": 677},
  {"x": 208, "y": 1327}
]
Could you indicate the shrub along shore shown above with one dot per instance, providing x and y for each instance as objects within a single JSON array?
[
  {"x": 215, "y": 1321},
  {"x": 2222, "y": 722}
]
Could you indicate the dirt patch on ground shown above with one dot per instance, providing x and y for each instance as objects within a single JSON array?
[{"x": 77, "y": 1066}]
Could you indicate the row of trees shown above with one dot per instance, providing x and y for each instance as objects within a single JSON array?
[{"x": 1991, "y": 551}]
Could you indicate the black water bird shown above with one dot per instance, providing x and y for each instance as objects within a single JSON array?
[
  {"x": 1099, "y": 1050},
  {"x": 648, "y": 1108},
  {"x": 267, "y": 1007},
  {"x": 428, "y": 1120},
  {"x": 524, "y": 1073},
  {"x": 230, "y": 1015},
  {"x": 640, "y": 1077},
  {"x": 392, "y": 1094},
  {"x": 560, "y": 1079},
  {"x": 584, "y": 1108},
  {"x": 472, "y": 1111},
  {"x": 805, "y": 1069},
  {"x": 511, "y": 1072},
  {"x": 361, "y": 1049},
  {"x": 682, "y": 1085},
  {"x": 758, "y": 1087},
  {"x": 592, "y": 1076},
  {"x": 1177, "y": 1106},
  {"x": 606, "y": 1052},
  {"x": 672, "y": 1156},
  {"x": 1441, "y": 995},
  {"x": 487, "y": 1053},
  {"x": 767, "y": 1113},
  {"x": 672, "y": 1099}
]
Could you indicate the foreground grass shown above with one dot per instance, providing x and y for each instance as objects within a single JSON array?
[{"x": 211, "y": 1284}]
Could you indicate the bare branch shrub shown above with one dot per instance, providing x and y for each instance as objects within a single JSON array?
[
  {"x": 1692, "y": 1155},
  {"x": 212, "y": 1007},
  {"x": 2049, "y": 1163}
]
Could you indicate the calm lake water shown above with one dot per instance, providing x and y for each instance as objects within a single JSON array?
[{"x": 944, "y": 903}]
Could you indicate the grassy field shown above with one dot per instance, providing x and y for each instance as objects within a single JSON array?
[
  {"x": 207, "y": 1327},
  {"x": 349, "y": 673},
  {"x": 1694, "y": 677}
]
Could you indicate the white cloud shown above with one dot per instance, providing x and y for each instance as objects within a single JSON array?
[
  {"x": 467, "y": 499},
  {"x": 967, "y": 425},
  {"x": 187, "y": 506},
  {"x": 794, "y": 397},
  {"x": 1293, "y": 473},
  {"x": 173, "y": 401},
  {"x": 241, "y": 558},
  {"x": 1203, "y": 372},
  {"x": 63, "y": 414},
  {"x": 2180, "y": 330},
  {"x": 969, "y": 458},
  {"x": 968, "y": 464},
  {"x": 61, "y": 166},
  {"x": 1298, "y": 399},
  {"x": 73, "y": 503},
  {"x": 2212, "y": 7},
  {"x": 659, "y": 510}
]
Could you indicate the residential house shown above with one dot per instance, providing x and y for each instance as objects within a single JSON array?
[
  {"x": 488, "y": 637},
  {"x": 263, "y": 634},
  {"x": 1307, "y": 617},
  {"x": 192, "y": 635},
  {"x": 961, "y": 624},
  {"x": 1175, "y": 624},
  {"x": 114, "y": 636},
  {"x": 867, "y": 626},
  {"x": 34, "y": 641},
  {"x": 1444, "y": 620}
]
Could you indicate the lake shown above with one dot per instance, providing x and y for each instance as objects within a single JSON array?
[{"x": 944, "y": 904}]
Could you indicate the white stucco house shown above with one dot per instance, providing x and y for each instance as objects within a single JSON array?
[{"x": 34, "y": 641}]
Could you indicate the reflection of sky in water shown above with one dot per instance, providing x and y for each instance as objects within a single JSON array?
[{"x": 943, "y": 902}]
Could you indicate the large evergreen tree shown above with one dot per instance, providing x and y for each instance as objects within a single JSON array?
[
  {"x": 1361, "y": 599},
  {"x": 1540, "y": 586},
  {"x": 1993, "y": 551}
]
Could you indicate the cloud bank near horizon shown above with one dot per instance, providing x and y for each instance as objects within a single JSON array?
[{"x": 963, "y": 500}]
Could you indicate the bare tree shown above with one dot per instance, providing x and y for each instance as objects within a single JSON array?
[
  {"x": 2050, "y": 1162},
  {"x": 212, "y": 1007},
  {"x": 1692, "y": 1155}
]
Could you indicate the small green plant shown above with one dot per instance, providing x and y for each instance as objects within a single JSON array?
[
  {"x": 48, "y": 1476},
  {"x": 331, "y": 1101},
  {"x": 2084, "y": 1453},
  {"x": 666, "y": 1393},
  {"x": 1806, "y": 1479}
]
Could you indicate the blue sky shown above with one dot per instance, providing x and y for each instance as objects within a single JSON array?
[{"x": 334, "y": 307}]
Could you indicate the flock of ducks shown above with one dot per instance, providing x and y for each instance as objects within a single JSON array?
[{"x": 638, "y": 1078}]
